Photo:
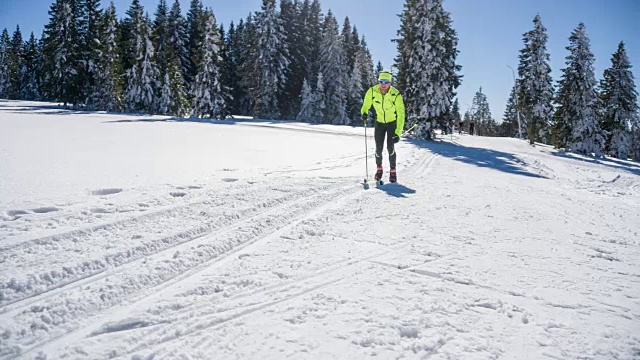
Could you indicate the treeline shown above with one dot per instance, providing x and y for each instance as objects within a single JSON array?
[
  {"x": 286, "y": 62},
  {"x": 578, "y": 114}
]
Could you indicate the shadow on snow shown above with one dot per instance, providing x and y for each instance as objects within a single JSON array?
[
  {"x": 396, "y": 190},
  {"x": 485, "y": 158},
  {"x": 608, "y": 162}
]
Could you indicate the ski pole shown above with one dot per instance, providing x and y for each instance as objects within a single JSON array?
[
  {"x": 411, "y": 128},
  {"x": 366, "y": 156}
]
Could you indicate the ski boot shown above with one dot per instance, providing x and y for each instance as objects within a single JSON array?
[
  {"x": 378, "y": 174},
  {"x": 392, "y": 175}
]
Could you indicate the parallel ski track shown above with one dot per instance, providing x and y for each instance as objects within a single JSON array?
[
  {"x": 51, "y": 239},
  {"x": 233, "y": 237},
  {"x": 85, "y": 268}
]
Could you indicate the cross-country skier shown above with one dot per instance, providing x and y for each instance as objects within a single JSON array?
[{"x": 389, "y": 107}]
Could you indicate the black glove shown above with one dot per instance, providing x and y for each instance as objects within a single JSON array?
[
  {"x": 396, "y": 138},
  {"x": 365, "y": 117}
]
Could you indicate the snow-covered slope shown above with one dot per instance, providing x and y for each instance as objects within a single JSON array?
[{"x": 139, "y": 237}]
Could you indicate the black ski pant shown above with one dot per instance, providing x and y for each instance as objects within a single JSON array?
[{"x": 382, "y": 129}]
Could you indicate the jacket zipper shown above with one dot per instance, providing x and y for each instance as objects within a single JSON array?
[{"x": 384, "y": 112}]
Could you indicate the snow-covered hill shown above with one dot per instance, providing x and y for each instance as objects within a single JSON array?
[{"x": 140, "y": 237}]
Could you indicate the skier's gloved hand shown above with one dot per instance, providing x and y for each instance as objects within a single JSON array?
[
  {"x": 396, "y": 138},
  {"x": 365, "y": 117}
]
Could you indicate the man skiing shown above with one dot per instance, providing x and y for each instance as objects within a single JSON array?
[{"x": 389, "y": 107}]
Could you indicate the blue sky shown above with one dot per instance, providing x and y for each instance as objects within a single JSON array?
[{"x": 490, "y": 31}]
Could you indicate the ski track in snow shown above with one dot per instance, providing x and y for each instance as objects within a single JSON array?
[{"x": 476, "y": 253}]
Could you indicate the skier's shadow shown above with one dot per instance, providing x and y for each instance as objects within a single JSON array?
[{"x": 397, "y": 190}]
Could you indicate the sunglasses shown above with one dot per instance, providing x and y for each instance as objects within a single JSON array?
[{"x": 385, "y": 82}]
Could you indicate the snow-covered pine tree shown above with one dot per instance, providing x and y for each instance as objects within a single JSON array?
[
  {"x": 577, "y": 98},
  {"x": 108, "y": 80},
  {"x": 269, "y": 61},
  {"x": 29, "y": 87},
  {"x": 367, "y": 72},
  {"x": 195, "y": 36},
  {"x": 320, "y": 104},
  {"x": 456, "y": 118},
  {"x": 620, "y": 104},
  {"x": 313, "y": 33},
  {"x": 509, "y": 125},
  {"x": 143, "y": 76},
  {"x": 230, "y": 75},
  {"x": 208, "y": 96},
  {"x": 159, "y": 32},
  {"x": 334, "y": 73},
  {"x": 160, "y": 39},
  {"x": 359, "y": 82},
  {"x": 536, "y": 85},
  {"x": 15, "y": 56},
  {"x": 60, "y": 43},
  {"x": 291, "y": 15},
  {"x": 127, "y": 28},
  {"x": 246, "y": 41},
  {"x": 379, "y": 68},
  {"x": 481, "y": 113},
  {"x": 177, "y": 62},
  {"x": 307, "y": 103},
  {"x": 177, "y": 37},
  {"x": 427, "y": 71},
  {"x": 92, "y": 53},
  {"x": 5, "y": 68}
]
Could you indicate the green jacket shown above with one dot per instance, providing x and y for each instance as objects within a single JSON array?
[{"x": 389, "y": 107}]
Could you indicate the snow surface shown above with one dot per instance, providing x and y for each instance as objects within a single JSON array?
[{"x": 147, "y": 237}]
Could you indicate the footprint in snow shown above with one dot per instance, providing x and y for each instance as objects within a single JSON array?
[
  {"x": 45, "y": 209},
  {"x": 104, "y": 192},
  {"x": 229, "y": 180}
]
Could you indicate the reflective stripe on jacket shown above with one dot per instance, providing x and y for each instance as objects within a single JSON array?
[{"x": 389, "y": 107}]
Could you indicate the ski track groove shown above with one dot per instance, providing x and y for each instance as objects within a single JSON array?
[
  {"x": 49, "y": 239},
  {"x": 158, "y": 245},
  {"x": 324, "y": 197},
  {"x": 272, "y": 291}
]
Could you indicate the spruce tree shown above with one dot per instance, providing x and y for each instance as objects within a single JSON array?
[
  {"x": 427, "y": 71},
  {"x": 15, "y": 57},
  {"x": 620, "y": 104},
  {"x": 92, "y": 53},
  {"x": 5, "y": 65},
  {"x": 314, "y": 25},
  {"x": 379, "y": 68},
  {"x": 356, "y": 87},
  {"x": 195, "y": 31},
  {"x": 577, "y": 98},
  {"x": 128, "y": 41},
  {"x": 142, "y": 78},
  {"x": 29, "y": 87},
  {"x": 509, "y": 126},
  {"x": 291, "y": 15},
  {"x": 60, "y": 50},
  {"x": 208, "y": 95},
  {"x": 481, "y": 113},
  {"x": 177, "y": 63},
  {"x": 307, "y": 103},
  {"x": 177, "y": 37},
  {"x": 332, "y": 60},
  {"x": 456, "y": 118},
  {"x": 107, "y": 93},
  {"x": 230, "y": 67},
  {"x": 269, "y": 61},
  {"x": 536, "y": 87},
  {"x": 247, "y": 41}
]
